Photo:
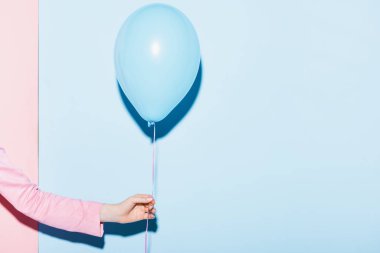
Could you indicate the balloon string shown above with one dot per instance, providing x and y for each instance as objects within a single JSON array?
[{"x": 153, "y": 170}]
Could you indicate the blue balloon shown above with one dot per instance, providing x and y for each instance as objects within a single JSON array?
[{"x": 157, "y": 56}]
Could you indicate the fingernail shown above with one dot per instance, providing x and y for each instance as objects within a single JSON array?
[{"x": 149, "y": 199}]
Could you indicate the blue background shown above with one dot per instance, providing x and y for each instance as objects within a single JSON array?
[{"x": 276, "y": 150}]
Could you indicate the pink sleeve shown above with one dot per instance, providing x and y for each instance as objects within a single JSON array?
[{"x": 53, "y": 210}]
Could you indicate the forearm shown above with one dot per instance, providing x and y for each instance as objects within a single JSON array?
[{"x": 50, "y": 209}]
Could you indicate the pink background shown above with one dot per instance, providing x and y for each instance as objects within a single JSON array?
[{"x": 19, "y": 112}]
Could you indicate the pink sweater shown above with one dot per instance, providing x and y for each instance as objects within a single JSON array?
[{"x": 53, "y": 210}]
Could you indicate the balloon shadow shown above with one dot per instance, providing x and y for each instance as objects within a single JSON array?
[
  {"x": 109, "y": 229},
  {"x": 175, "y": 116}
]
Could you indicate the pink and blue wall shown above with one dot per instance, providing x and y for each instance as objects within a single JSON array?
[{"x": 275, "y": 150}]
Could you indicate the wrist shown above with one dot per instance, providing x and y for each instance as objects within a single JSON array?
[{"x": 107, "y": 213}]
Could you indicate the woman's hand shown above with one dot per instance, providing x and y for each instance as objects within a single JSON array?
[{"x": 135, "y": 208}]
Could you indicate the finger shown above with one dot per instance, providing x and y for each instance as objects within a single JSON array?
[
  {"x": 141, "y": 200},
  {"x": 151, "y": 203},
  {"x": 149, "y": 210},
  {"x": 142, "y": 196},
  {"x": 149, "y": 216}
]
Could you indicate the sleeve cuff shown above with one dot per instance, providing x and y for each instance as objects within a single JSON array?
[
  {"x": 92, "y": 224},
  {"x": 98, "y": 225}
]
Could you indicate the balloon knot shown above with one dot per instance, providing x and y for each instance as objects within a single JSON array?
[{"x": 150, "y": 123}]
